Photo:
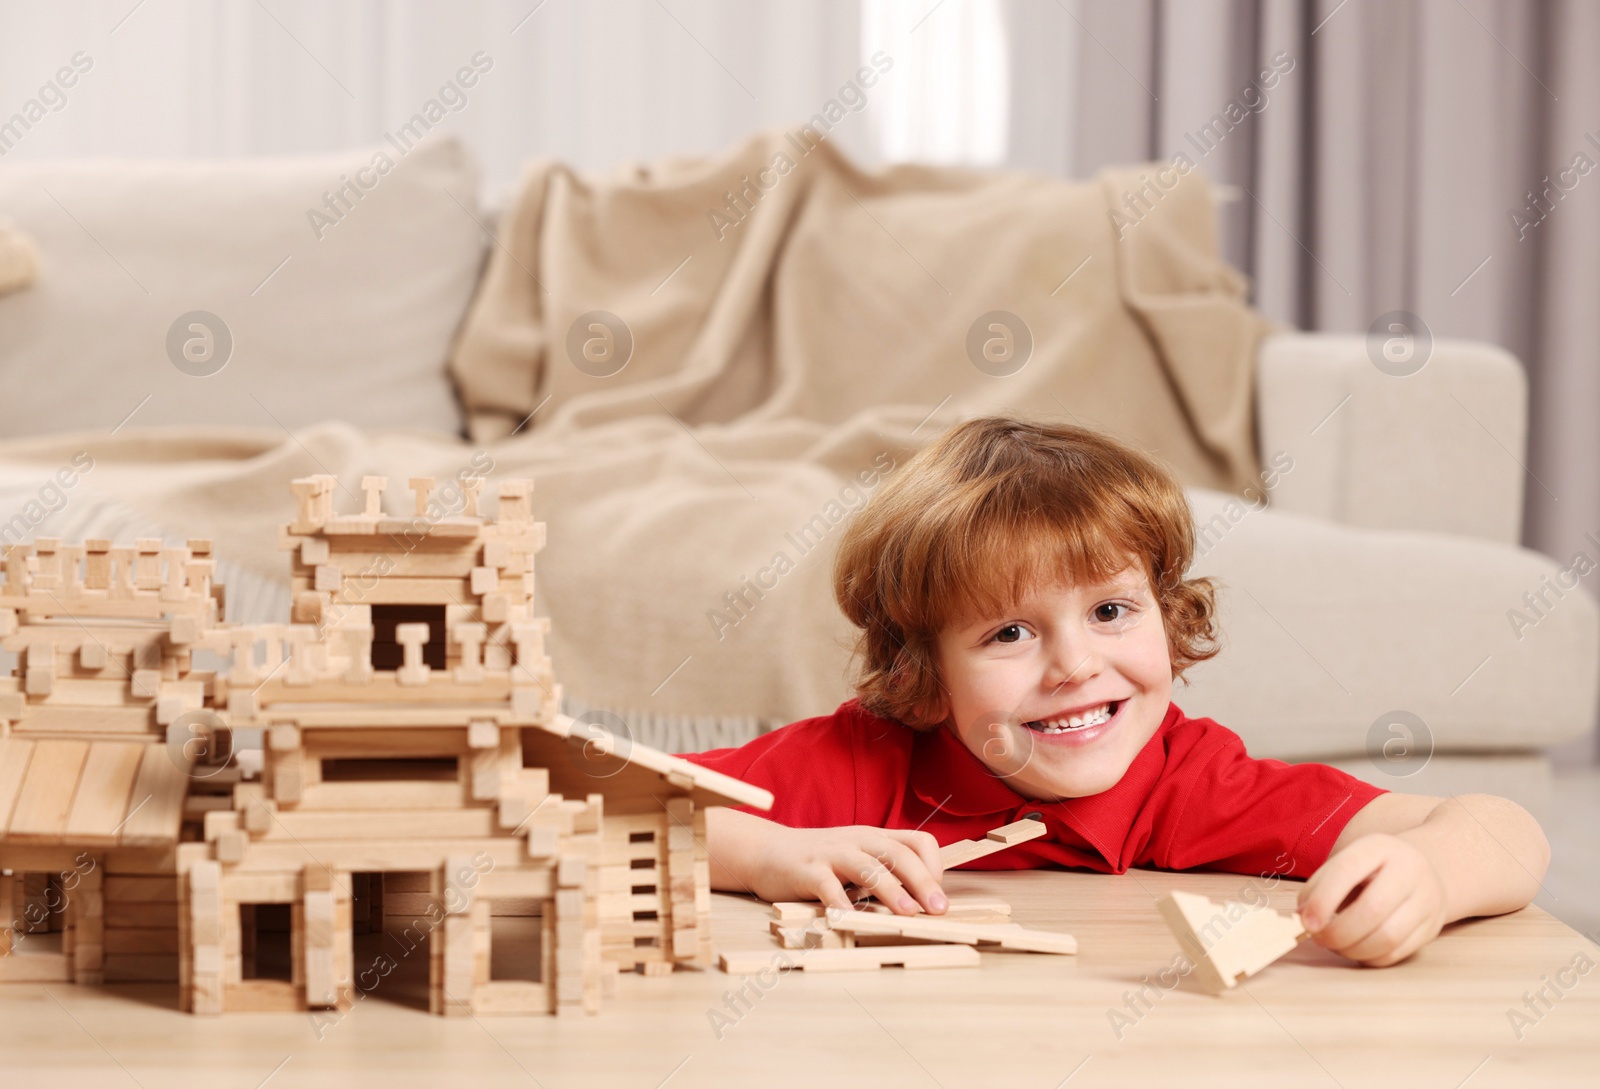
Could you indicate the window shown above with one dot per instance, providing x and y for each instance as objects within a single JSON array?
[
  {"x": 946, "y": 99},
  {"x": 364, "y": 769}
]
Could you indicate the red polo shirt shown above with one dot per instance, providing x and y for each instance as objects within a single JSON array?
[{"x": 1191, "y": 799}]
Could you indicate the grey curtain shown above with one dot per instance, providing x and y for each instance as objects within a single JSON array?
[{"x": 1435, "y": 156}]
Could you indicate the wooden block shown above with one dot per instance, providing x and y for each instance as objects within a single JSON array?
[
  {"x": 92, "y": 655},
  {"x": 421, "y": 486},
  {"x": 459, "y": 882},
  {"x": 483, "y": 735},
  {"x": 289, "y": 777},
  {"x": 527, "y": 701},
  {"x": 283, "y": 737},
  {"x": 998, "y": 839},
  {"x": 458, "y": 961},
  {"x": 373, "y": 487},
  {"x": 570, "y": 871},
  {"x": 485, "y": 580},
  {"x": 1228, "y": 941},
  {"x": 543, "y": 841},
  {"x": 486, "y": 774},
  {"x": 411, "y": 638},
  {"x": 317, "y": 926},
  {"x": 807, "y": 936},
  {"x": 329, "y": 579},
  {"x": 230, "y": 846},
  {"x": 184, "y": 630},
  {"x": 146, "y": 684},
  {"x": 309, "y": 608},
  {"x": 857, "y": 960},
  {"x": 792, "y": 912},
  {"x": 314, "y": 551},
  {"x": 39, "y": 669}
]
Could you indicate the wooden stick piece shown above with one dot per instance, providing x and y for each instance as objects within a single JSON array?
[{"x": 1009, "y": 835}]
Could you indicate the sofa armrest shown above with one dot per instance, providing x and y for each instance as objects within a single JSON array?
[{"x": 1440, "y": 450}]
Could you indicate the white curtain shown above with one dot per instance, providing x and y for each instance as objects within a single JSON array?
[{"x": 595, "y": 83}]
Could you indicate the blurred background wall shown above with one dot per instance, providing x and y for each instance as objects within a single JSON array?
[{"x": 1427, "y": 156}]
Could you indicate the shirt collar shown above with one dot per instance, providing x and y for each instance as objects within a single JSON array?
[{"x": 946, "y": 775}]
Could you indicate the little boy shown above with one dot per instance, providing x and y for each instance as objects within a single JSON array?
[{"x": 1021, "y": 594}]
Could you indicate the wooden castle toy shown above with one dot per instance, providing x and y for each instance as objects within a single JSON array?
[{"x": 419, "y": 794}]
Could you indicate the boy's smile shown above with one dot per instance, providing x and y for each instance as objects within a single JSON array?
[{"x": 1059, "y": 696}]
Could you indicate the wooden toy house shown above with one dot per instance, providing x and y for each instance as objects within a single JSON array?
[
  {"x": 92, "y": 804},
  {"x": 419, "y": 792}
]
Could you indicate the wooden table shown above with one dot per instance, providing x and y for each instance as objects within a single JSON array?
[{"x": 1034, "y": 1021}]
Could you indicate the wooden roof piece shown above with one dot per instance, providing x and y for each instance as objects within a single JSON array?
[
  {"x": 60, "y": 791},
  {"x": 584, "y": 757}
]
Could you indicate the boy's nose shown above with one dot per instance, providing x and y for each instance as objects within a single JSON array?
[{"x": 1071, "y": 663}]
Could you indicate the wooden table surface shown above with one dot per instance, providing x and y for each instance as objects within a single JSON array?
[{"x": 1024, "y": 1020}]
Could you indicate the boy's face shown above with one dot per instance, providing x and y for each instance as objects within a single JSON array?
[{"x": 1094, "y": 655}]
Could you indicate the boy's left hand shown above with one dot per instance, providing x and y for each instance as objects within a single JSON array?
[{"x": 1396, "y": 901}]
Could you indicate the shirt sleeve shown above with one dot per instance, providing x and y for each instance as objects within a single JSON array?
[
  {"x": 1240, "y": 814},
  {"x": 809, "y": 766}
]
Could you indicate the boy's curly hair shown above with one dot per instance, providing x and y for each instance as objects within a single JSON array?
[{"x": 993, "y": 507}]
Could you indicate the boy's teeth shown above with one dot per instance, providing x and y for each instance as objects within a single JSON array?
[{"x": 1092, "y": 717}]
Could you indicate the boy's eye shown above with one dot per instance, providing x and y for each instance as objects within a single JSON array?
[
  {"x": 1110, "y": 611},
  {"x": 1011, "y": 633}
]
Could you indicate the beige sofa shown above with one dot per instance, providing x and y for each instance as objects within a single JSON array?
[
  {"x": 1382, "y": 604},
  {"x": 1370, "y": 594}
]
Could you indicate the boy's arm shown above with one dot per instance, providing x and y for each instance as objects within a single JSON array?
[{"x": 1414, "y": 863}]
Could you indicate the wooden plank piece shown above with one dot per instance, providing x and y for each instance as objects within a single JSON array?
[
  {"x": 155, "y": 805},
  {"x": 931, "y": 928},
  {"x": 15, "y": 754},
  {"x": 998, "y": 839},
  {"x": 48, "y": 789},
  {"x": 103, "y": 790}
]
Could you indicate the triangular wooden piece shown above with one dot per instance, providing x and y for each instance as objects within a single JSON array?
[{"x": 1228, "y": 941}]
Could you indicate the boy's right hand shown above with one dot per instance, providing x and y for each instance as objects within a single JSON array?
[{"x": 901, "y": 868}]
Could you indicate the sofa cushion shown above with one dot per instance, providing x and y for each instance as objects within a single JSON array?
[
  {"x": 1329, "y": 631},
  {"x": 335, "y": 308}
]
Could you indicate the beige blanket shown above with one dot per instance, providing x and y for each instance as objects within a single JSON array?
[{"x": 777, "y": 375}]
